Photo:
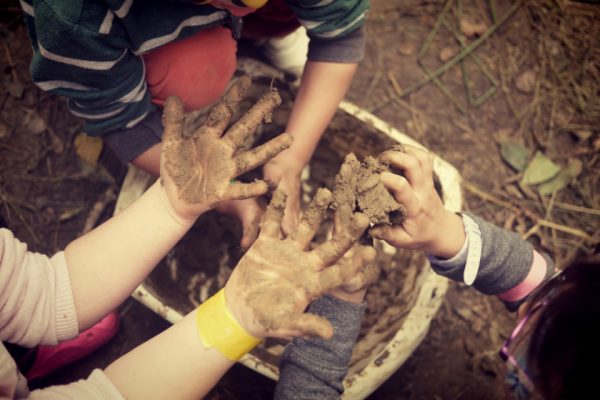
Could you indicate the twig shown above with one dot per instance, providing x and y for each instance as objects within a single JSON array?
[
  {"x": 11, "y": 62},
  {"x": 97, "y": 209},
  {"x": 532, "y": 231},
  {"x": 457, "y": 58},
  {"x": 572, "y": 207},
  {"x": 566, "y": 229},
  {"x": 486, "y": 196}
]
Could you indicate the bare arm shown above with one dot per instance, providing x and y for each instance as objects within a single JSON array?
[{"x": 324, "y": 85}]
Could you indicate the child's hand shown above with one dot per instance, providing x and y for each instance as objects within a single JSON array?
[
  {"x": 354, "y": 288},
  {"x": 285, "y": 173},
  {"x": 197, "y": 167},
  {"x": 428, "y": 226},
  {"x": 277, "y": 278}
]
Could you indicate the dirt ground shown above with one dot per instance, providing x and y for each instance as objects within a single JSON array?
[{"x": 541, "y": 93}]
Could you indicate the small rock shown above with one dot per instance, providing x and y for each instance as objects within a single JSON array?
[
  {"x": 3, "y": 130},
  {"x": 525, "y": 82},
  {"x": 583, "y": 134},
  {"x": 407, "y": 49},
  {"x": 447, "y": 53},
  {"x": 471, "y": 28},
  {"x": 597, "y": 144}
]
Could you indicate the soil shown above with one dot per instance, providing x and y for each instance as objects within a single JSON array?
[{"x": 47, "y": 192}]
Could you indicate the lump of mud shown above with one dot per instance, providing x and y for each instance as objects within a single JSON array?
[{"x": 357, "y": 185}]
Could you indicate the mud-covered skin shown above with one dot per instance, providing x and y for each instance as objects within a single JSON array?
[
  {"x": 358, "y": 187},
  {"x": 197, "y": 166},
  {"x": 277, "y": 278}
]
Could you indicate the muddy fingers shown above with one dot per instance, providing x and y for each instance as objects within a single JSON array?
[
  {"x": 245, "y": 127},
  {"x": 240, "y": 191},
  {"x": 272, "y": 224},
  {"x": 312, "y": 218},
  {"x": 346, "y": 268},
  {"x": 261, "y": 154},
  {"x": 367, "y": 275},
  {"x": 221, "y": 113},
  {"x": 333, "y": 249},
  {"x": 310, "y": 325}
]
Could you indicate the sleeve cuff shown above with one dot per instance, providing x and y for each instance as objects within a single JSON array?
[
  {"x": 129, "y": 143},
  {"x": 67, "y": 326},
  {"x": 346, "y": 49},
  {"x": 469, "y": 256}
]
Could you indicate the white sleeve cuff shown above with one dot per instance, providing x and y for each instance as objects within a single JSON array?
[{"x": 469, "y": 255}]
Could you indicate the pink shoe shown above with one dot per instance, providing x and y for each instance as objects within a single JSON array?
[{"x": 51, "y": 358}]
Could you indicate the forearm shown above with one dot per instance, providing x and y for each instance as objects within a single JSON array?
[
  {"x": 505, "y": 264},
  {"x": 108, "y": 263},
  {"x": 324, "y": 85},
  {"x": 173, "y": 364}
]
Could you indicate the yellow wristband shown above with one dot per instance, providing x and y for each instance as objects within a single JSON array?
[{"x": 218, "y": 328}]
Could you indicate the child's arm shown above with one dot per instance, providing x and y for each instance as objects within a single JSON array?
[
  {"x": 267, "y": 295},
  {"x": 324, "y": 84},
  {"x": 337, "y": 42},
  {"x": 493, "y": 260}
]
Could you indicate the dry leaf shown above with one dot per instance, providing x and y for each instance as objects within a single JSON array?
[
  {"x": 514, "y": 153},
  {"x": 563, "y": 179},
  {"x": 88, "y": 148},
  {"x": 540, "y": 169},
  {"x": 33, "y": 123}
]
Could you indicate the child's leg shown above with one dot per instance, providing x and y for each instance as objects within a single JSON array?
[{"x": 196, "y": 69}]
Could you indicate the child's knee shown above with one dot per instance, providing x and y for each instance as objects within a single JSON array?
[{"x": 196, "y": 69}]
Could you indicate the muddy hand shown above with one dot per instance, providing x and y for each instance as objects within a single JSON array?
[
  {"x": 285, "y": 173},
  {"x": 428, "y": 226},
  {"x": 277, "y": 278},
  {"x": 197, "y": 167},
  {"x": 354, "y": 287}
]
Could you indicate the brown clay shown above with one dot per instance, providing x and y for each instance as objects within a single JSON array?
[{"x": 357, "y": 186}]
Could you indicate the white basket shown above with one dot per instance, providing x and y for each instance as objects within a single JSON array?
[{"x": 388, "y": 357}]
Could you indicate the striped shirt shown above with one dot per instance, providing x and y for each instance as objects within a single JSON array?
[{"x": 92, "y": 55}]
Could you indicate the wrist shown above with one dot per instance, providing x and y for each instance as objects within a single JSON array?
[
  {"x": 289, "y": 161},
  {"x": 176, "y": 213},
  {"x": 450, "y": 237},
  {"x": 219, "y": 329}
]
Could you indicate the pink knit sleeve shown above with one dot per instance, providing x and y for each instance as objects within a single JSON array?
[{"x": 36, "y": 302}]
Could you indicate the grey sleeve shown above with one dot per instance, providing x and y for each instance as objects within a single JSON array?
[
  {"x": 316, "y": 368},
  {"x": 506, "y": 260},
  {"x": 128, "y": 143},
  {"x": 346, "y": 49}
]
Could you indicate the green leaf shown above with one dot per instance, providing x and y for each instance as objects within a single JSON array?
[
  {"x": 540, "y": 169},
  {"x": 561, "y": 180},
  {"x": 514, "y": 153}
]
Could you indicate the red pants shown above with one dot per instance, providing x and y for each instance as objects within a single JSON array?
[{"x": 197, "y": 69}]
